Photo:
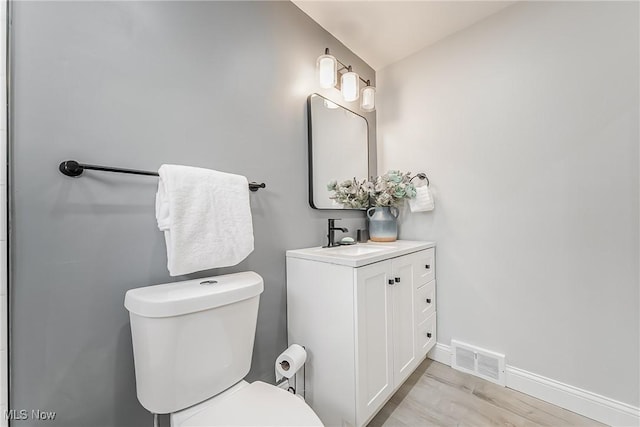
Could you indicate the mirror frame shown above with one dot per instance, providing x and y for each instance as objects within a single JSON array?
[{"x": 310, "y": 152}]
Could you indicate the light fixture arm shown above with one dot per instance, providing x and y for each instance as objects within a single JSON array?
[{"x": 346, "y": 67}]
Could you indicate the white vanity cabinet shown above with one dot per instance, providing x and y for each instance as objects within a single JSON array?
[{"x": 366, "y": 317}]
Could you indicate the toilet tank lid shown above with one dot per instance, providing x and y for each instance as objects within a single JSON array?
[{"x": 190, "y": 296}]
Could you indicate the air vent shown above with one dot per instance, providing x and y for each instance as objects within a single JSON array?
[
  {"x": 478, "y": 361},
  {"x": 465, "y": 359}
]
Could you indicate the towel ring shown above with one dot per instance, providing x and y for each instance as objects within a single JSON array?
[{"x": 421, "y": 176}]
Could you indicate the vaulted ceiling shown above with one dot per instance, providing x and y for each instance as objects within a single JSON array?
[{"x": 383, "y": 32}]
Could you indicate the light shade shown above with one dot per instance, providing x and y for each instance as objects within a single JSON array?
[
  {"x": 327, "y": 70},
  {"x": 350, "y": 86},
  {"x": 368, "y": 99}
]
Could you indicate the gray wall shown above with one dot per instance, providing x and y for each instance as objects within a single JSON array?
[
  {"x": 527, "y": 124},
  {"x": 221, "y": 85}
]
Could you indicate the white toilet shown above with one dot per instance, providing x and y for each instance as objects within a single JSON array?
[{"x": 192, "y": 347}]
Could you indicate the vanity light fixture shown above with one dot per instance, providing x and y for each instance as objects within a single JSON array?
[
  {"x": 350, "y": 85},
  {"x": 368, "y": 98},
  {"x": 328, "y": 70}
]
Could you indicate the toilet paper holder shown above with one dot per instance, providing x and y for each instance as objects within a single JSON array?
[{"x": 286, "y": 366}]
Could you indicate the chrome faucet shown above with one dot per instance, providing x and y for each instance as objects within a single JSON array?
[{"x": 331, "y": 232}]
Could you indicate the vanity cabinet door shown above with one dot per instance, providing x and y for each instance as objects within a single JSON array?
[
  {"x": 374, "y": 368},
  {"x": 404, "y": 325}
]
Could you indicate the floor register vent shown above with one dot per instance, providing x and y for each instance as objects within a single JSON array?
[{"x": 478, "y": 361}]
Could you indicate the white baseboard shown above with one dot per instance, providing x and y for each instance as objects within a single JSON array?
[
  {"x": 583, "y": 402},
  {"x": 440, "y": 353}
]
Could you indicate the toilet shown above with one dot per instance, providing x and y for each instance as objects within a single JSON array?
[{"x": 192, "y": 347}]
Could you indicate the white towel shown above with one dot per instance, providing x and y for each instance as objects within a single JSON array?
[
  {"x": 423, "y": 201},
  {"x": 205, "y": 216}
]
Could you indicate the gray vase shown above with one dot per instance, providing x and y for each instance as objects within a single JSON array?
[{"x": 383, "y": 223}]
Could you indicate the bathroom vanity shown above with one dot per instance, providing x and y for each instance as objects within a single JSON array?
[{"x": 366, "y": 315}]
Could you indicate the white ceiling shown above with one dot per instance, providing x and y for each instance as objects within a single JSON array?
[{"x": 383, "y": 32}]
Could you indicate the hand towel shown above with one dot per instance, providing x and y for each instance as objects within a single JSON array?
[
  {"x": 423, "y": 201},
  {"x": 205, "y": 216}
]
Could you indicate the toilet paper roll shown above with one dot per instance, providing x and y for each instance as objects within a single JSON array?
[{"x": 290, "y": 361}]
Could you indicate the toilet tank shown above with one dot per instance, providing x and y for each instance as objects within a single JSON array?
[{"x": 192, "y": 339}]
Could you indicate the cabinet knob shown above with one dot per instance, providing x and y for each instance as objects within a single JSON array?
[
  {"x": 428, "y": 334},
  {"x": 428, "y": 300},
  {"x": 397, "y": 280},
  {"x": 391, "y": 282},
  {"x": 428, "y": 266}
]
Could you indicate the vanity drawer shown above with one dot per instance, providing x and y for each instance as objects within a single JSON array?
[
  {"x": 424, "y": 267},
  {"x": 425, "y": 301},
  {"x": 426, "y": 338}
]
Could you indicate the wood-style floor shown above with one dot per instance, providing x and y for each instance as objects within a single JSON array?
[{"x": 437, "y": 395}]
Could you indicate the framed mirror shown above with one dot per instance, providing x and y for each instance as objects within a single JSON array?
[{"x": 338, "y": 148}]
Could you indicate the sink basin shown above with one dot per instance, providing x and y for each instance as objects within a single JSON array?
[
  {"x": 356, "y": 250},
  {"x": 359, "y": 254}
]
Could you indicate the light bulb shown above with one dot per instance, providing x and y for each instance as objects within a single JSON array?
[
  {"x": 368, "y": 99},
  {"x": 327, "y": 70},
  {"x": 350, "y": 86}
]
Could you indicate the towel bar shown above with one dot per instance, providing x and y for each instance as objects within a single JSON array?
[{"x": 73, "y": 168}]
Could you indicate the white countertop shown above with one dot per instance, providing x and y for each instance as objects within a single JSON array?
[{"x": 361, "y": 253}]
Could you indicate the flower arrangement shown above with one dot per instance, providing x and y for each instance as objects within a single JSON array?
[
  {"x": 350, "y": 194},
  {"x": 389, "y": 189}
]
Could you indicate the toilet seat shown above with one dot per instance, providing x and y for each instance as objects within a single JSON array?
[{"x": 255, "y": 404}]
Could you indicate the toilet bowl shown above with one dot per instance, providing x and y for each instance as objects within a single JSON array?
[
  {"x": 192, "y": 347},
  {"x": 255, "y": 404}
]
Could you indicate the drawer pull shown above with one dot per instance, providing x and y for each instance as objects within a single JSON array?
[
  {"x": 428, "y": 300},
  {"x": 428, "y": 266},
  {"x": 428, "y": 334},
  {"x": 391, "y": 282},
  {"x": 397, "y": 280}
]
